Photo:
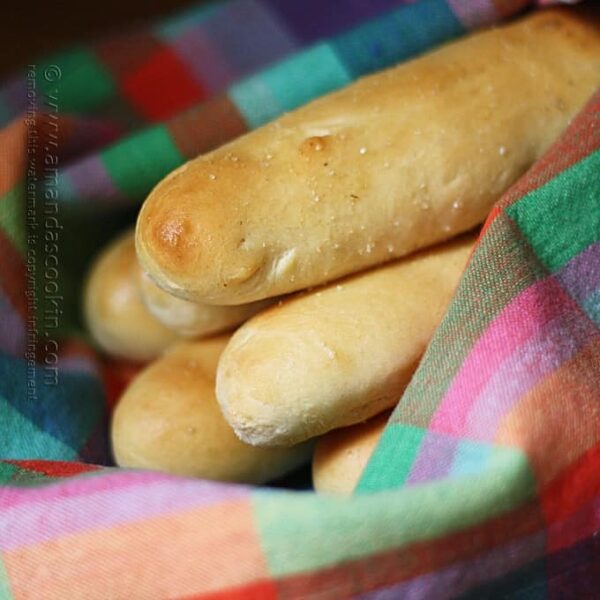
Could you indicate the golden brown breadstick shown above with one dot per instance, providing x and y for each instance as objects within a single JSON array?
[
  {"x": 169, "y": 420},
  {"x": 398, "y": 161},
  {"x": 117, "y": 319},
  {"x": 337, "y": 355}
]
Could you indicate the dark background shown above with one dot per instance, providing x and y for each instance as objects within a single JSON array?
[{"x": 30, "y": 30}]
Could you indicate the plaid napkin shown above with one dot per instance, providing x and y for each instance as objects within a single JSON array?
[{"x": 487, "y": 479}]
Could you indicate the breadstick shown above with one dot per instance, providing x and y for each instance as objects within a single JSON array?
[
  {"x": 338, "y": 355},
  {"x": 169, "y": 420},
  {"x": 116, "y": 318},
  {"x": 395, "y": 162}
]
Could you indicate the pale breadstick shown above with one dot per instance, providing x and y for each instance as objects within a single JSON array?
[
  {"x": 341, "y": 455},
  {"x": 395, "y": 162},
  {"x": 169, "y": 420},
  {"x": 116, "y": 318},
  {"x": 338, "y": 355},
  {"x": 192, "y": 319}
]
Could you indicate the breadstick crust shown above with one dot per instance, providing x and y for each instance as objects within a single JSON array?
[
  {"x": 192, "y": 319},
  {"x": 397, "y": 161},
  {"x": 341, "y": 455},
  {"x": 337, "y": 355},
  {"x": 116, "y": 318},
  {"x": 168, "y": 419}
]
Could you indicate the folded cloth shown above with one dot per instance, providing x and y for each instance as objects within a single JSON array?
[{"x": 486, "y": 481}]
